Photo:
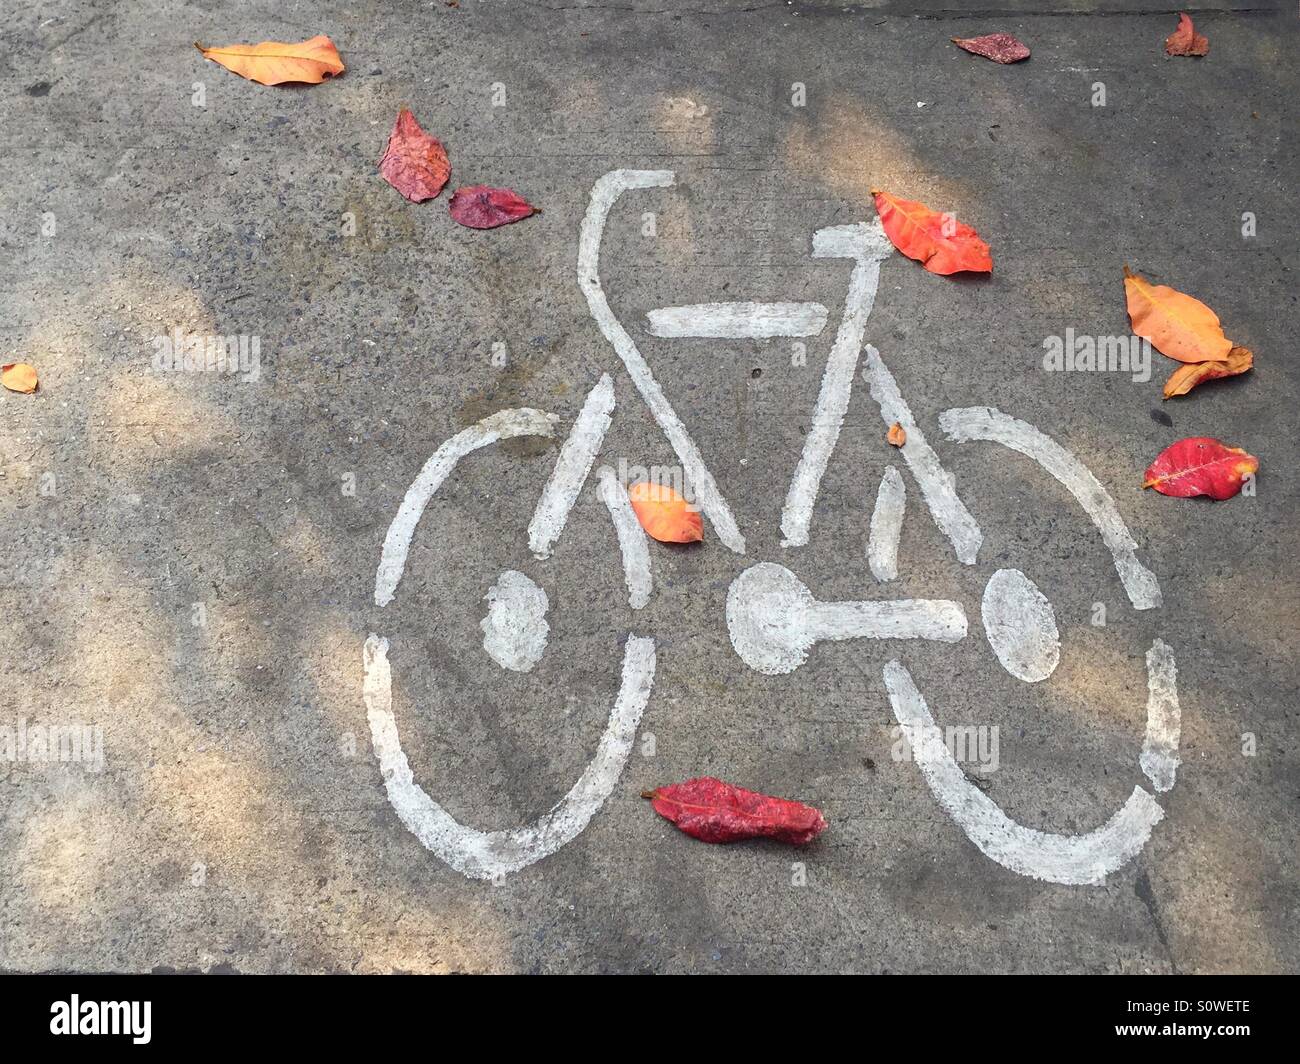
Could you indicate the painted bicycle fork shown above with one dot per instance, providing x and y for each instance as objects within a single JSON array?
[{"x": 772, "y": 618}]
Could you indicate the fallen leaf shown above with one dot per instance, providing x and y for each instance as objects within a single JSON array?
[
  {"x": 665, "y": 514},
  {"x": 19, "y": 377},
  {"x": 937, "y": 240},
  {"x": 275, "y": 63},
  {"x": 414, "y": 163},
  {"x": 713, "y": 811},
  {"x": 1000, "y": 47},
  {"x": 1200, "y": 465},
  {"x": 897, "y": 434},
  {"x": 1180, "y": 326},
  {"x": 1185, "y": 40},
  {"x": 1187, "y": 377},
  {"x": 483, "y": 207}
]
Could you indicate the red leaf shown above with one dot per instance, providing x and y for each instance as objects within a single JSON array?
[
  {"x": 1000, "y": 47},
  {"x": 482, "y": 207},
  {"x": 1185, "y": 40},
  {"x": 713, "y": 811},
  {"x": 1200, "y": 465},
  {"x": 936, "y": 240},
  {"x": 414, "y": 163}
]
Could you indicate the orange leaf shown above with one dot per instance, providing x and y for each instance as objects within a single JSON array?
[
  {"x": 1185, "y": 378},
  {"x": 936, "y": 240},
  {"x": 664, "y": 514},
  {"x": 897, "y": 434},
  {"x": 274, "y": 63},
  {"x": 1185, "y": 40},
  {"x": 19, "y": 377},
  {"x": 1180, "y": 326}
]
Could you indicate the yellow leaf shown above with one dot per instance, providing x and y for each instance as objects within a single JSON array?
[
  {"x": 1180, "y": 326},
  {"x": 274, "y": 63},
  {"x": 19, "y": 377}
]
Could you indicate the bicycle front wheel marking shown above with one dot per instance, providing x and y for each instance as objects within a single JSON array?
[
  {"x": 492, "y": 854},
  {"x": 515, "y": 637}
]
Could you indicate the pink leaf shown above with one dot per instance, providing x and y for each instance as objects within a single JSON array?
[
  {"x": 1000, "y": 47},
  {"x": 414, "y": 163},
  {"x": 483, "y": 207},
  {"x": 1185, "y": 40}
]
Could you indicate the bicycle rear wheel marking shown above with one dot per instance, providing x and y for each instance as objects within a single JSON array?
[
  {"x": 1159, "y": 758},
  {"x": 491, "y": 854},
  {"x": 1020, "y": 626},
  {"x": 1069, "y": 859}
]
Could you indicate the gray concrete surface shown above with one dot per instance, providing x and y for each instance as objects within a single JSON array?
[{"x": 183, "y": 567}]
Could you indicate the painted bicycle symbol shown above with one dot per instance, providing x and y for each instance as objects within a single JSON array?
[{"x": 772, "y": 618}]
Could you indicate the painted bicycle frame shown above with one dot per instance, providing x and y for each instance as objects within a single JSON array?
[{"x": 1070, "y": 859}]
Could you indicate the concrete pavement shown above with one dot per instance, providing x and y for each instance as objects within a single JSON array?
[{"x": 191, "y": 557}]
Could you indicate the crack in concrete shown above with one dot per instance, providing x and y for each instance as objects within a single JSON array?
[{"x": 1142, "y": 888}]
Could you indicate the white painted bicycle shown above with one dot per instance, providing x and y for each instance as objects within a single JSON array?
[{"x": 772, "y": 618}]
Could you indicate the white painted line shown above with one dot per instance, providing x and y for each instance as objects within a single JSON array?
[
  {"x": 938, "y": 619},
  {"x": 515, "y": 628},
  {"x": 1159, "y": 758},
  {"x": 866, "y": 245},
  {"x": 735, "y": 321},
  {"x": 938, "y": 487},
  {"x": 863, "y": 241},
  {"x": 774, "y": 621},
  {"x": 632, "y": 540},
  {"x": 607, "y": 189},
  {"x": 492, "y": 854},
  {"x": 887, "y": 526},
  {"x": 1071, "y": 859},
  {"x": 986, "y": 423},
  {"x": 571, "y": 468},
  {"x": 1021, "y": 626},
  {"x": 502, "y": 425}
]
